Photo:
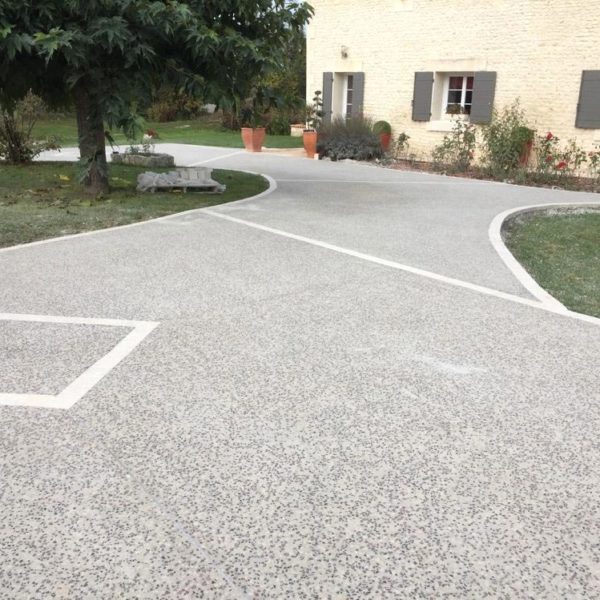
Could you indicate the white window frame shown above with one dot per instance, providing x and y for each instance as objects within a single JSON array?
[
  {"x": 446, "y": 91},
  {"x": 345, "y": 96},
  {"x": 442, "y": 121}
]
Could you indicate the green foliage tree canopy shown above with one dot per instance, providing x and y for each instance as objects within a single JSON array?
[{"x": 104, "y": 55}]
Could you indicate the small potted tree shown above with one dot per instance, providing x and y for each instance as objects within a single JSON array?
[
  {"x": 384, "y": 130},
  {"x": 525, "y": 136},
  {"x": 314, "y": 115}
]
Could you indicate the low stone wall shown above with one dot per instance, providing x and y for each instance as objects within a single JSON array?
[{"x": 142, "y": 159}]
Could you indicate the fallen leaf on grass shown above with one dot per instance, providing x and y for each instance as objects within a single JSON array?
[{"x": 64, "y": 178}]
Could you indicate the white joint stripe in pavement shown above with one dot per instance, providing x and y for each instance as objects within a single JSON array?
[
  {"x": 69, "y": 320},
  {"x": 524, "y": 278},
  {"x": 91, "y": 376},
  {"x": 399, "y": 182},
  {"x": 31, "y": 400},
  {"x": 215, "y": 158},
  {"x": 407, "y": 268}
]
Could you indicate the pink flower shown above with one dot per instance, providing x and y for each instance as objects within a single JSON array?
[{"x": 549, "y": 136}]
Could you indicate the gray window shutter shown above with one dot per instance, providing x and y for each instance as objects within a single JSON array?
[
  {"x": 484, "y": 90},
  {"x": 358, "y": 97},
  {"x": 327, "y": 97},
  {"x": 588, "y": 109},
  {"x": 421, "y": 109}
]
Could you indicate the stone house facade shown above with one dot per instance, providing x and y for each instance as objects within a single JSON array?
[{"x": 419, "y": 64}]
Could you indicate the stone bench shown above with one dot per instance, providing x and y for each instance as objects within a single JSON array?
[{"x": 191, "y": 178}]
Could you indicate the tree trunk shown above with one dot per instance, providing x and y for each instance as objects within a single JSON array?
[{"x": 92, "y": 147}]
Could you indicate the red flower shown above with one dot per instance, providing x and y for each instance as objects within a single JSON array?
[
  {"x": 561, "y": 165},
  {"x": 549, "y": 136},
  {"x": 549, "y": 158}
]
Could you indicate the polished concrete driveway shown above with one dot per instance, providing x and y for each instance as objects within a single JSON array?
[{"x": 348, "y": 395}]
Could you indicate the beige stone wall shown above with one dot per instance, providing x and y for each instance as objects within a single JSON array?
[{"x": 537, "y": 47}]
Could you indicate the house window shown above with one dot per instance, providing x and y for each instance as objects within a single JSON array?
[
  {"x": 441, "y": 98},
  {"x": 349, "y": 96},
  {"x": 459, "y": 96}
]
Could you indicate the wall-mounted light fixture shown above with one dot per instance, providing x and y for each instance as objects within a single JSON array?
[{"x": 344, "y": 51}]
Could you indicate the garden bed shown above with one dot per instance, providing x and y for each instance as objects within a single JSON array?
[
  {"x": 509, "y": 150},
  {"x": 528, "y": 178}
]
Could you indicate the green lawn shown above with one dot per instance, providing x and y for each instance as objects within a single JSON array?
[
  {"x": 44, "y": 200},
  {"x": 562, "y": 253},
  {"x": 203, "y": 131}
]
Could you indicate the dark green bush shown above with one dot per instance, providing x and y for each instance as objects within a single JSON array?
[
  {"x": 351, "y": 138},
  {"x": 170, "y": 105},
  {"x": 279, "y": 120},
  {"x": 382, "y": 127},
  {"x": 279, "y": 124},
  {"x": 230, "y": 120}
]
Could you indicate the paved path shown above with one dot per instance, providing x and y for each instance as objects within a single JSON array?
[{"x": 322, "y": 411}]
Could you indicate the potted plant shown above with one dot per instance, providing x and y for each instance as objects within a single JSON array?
[
  {"x": 253, "y": 131},
  {"x": 142, "y": 155},
  {"x": 384, "y": 130},
  {"x": 525, "y": 135},
  {"x": 314, "y": 115},
  {"x": 253, "y": 138}
]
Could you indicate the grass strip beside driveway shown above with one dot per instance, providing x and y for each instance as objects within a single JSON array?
[
  {"x": 561, "y": 251},
  {"x": 202, "y": 132},
  {"x": 44, "y": 200}
]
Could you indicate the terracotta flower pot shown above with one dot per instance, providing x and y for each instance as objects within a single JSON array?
[
  {"x": 310, "y": 143},
  {"x": 526, "y": 153},
  {"x": 253, "y": 138},
  {"x": 385, "y": 139}
]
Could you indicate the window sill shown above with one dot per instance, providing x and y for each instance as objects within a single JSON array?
[{"x": 445, "y": 125}]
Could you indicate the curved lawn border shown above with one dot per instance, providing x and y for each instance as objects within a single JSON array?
[
  {"x": 272, "y": 187},
  {"x": 520, "y": 273}
]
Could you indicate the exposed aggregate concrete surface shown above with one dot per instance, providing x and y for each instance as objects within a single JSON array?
[{"x": 302, "y": 423}]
